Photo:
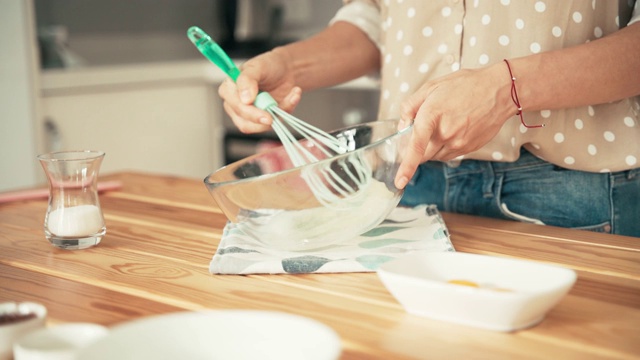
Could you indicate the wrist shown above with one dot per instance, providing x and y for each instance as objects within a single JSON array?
[
  {"x": 501, "y": 83},
  {"x": 514, "y": 95},
  {"x": 295, "y": 67},
  {"x": 283, "y": 58}
]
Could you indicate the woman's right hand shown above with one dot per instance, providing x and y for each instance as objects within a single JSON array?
[{"x": 266, "y": 72}]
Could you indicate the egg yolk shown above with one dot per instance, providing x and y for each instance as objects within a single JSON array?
[
  {"x": 476, "y": 285},
  {"x": 463, "y": 282}
]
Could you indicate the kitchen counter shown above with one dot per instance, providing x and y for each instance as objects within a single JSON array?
[
  {"x": 163, "y": 231},
  {"x": 55, "y": 81}
]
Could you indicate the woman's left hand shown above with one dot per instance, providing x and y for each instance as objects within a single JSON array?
[{"x": 454, "y": 115}]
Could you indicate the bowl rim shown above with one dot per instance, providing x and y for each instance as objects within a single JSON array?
[
  {"x": 394, "y": 270},
  {"x": 39, "y": 342},
  {"x": 213, "y": 184},
  {"x": 203, "y": 318},
  {"x": 38, "y": 309}
]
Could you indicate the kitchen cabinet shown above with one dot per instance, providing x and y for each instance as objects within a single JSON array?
[
  {"x": 161, "y": 118},
  {"x": 18, "y": 97}
]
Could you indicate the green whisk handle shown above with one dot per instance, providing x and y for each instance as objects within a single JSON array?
[{"x": 212, "y": 51}]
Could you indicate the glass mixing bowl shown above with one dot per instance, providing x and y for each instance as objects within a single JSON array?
[{"x": 277, "y": 204}]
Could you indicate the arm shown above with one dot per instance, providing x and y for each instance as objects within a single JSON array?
[
  {"x": 340, "y": 53},
  {"x": 461, "y": 112},
  {"x": 604, "y": 70}
]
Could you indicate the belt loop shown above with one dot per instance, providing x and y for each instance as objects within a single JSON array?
[{"x": 488, "y": 179}]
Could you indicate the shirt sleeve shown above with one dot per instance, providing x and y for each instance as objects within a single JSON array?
[{"x": 363, "y": 14}]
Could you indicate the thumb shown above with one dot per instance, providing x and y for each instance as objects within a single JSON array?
[{"x": 247, "y": 83}]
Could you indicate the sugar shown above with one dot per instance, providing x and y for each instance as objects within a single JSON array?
[{"x": 75, "y": 221}]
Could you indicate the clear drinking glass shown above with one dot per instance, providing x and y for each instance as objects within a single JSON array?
[{"x": 74, "y": 218}]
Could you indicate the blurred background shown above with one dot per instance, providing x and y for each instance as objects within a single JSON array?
[{"x": 122, "y": 77}]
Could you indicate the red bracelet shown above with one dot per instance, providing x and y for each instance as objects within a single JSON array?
[{"x": 514, "y": 97}]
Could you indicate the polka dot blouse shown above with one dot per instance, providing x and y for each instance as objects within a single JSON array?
[{"x": 421, "y": 40}]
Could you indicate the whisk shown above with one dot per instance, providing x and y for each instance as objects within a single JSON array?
[{"x": 328, "y": 186}]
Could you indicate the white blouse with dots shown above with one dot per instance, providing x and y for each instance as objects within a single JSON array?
[{"x": 424, "y": 39}]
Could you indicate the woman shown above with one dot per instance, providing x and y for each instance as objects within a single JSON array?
[{"x": 478, "y": 80}]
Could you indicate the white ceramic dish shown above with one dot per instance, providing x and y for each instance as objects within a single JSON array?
[
  {"x": 60, "y": 342},
  {"x": 230, "y": 334},
  {"x": 12, "y": 331},
  {"x": 511, "y": 294}
]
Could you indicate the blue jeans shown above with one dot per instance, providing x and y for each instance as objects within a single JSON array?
[{"x": 531, "y": 190}]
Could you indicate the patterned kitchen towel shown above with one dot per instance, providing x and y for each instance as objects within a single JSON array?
[{"x": 404, "y": 231}]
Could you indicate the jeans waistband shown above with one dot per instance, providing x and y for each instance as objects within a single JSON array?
[{"x": 526, "y": 160}]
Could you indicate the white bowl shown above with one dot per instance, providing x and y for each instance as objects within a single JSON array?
[
  {"x": 12, "y": 331},
  {"x": 510, "y": 294},
  {"x": 229, "y": 334},
  {"x": 60, "y": 342}
]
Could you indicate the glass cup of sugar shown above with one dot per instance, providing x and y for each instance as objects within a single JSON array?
[{"x": 74, "y": 218}]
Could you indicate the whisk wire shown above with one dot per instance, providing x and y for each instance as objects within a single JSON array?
[
  {"x": 298, "y": 154},
  {"x": 313, "y": 134},
  {"x": 327, "y": 185}
]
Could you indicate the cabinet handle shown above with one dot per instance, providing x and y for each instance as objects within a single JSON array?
[{"x": 53, "y": 139}]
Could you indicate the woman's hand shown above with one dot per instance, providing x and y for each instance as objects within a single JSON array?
[
  {"x": 339, "y": 53},
  {"x": 266, "y": 72},
  {"x": 455, "y": 115}
]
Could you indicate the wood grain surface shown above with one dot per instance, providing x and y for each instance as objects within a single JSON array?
[{"x": 163, "y": 231}]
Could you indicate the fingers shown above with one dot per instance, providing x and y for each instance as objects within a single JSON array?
[
  {"x": 408, "y": 166},
  {"x": 419, "y": 146},
  {"x": 432, "y": 139},
  {"x": 292, "y": 100},
  {"x": 246, "y": 117},
  {"x": 244, "y": 125},
  {"x": 453, "y": 137}
]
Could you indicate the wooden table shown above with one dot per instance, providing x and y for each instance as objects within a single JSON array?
[{"x": 163, "y": 231}]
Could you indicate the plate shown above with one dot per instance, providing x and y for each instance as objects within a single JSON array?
[
  {"x": 489, "y": 292},
  {"x": 228, "y": 334}
]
